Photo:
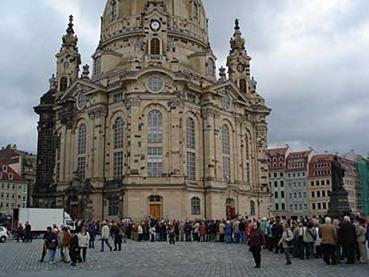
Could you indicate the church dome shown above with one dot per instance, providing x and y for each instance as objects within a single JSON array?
[{"x": 124, "y": 18}]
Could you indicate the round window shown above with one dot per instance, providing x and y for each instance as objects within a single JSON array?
[{"x": 155, "y": 84}]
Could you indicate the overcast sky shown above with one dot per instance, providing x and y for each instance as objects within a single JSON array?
[{"x": 310, "y": 58}]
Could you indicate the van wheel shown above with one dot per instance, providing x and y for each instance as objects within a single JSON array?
[{"x": 3, "y": 239}]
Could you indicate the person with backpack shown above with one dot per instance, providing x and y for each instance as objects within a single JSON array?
[{"x": 287, "y": 241}]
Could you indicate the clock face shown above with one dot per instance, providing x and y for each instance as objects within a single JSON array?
[
  {"x": 155, "y": 25},
  {"x": 240, "y": 67}
]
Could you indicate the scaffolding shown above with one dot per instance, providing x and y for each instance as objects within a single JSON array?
[{"x": 363, "y": 166}]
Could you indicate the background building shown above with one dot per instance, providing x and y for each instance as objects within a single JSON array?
[
  {"x": 154, "y": 131},
  {"x": 320, "y": 184},
  {"x": 23, "y": 163},
  {"x": 13, "y": 190},
  {"x": 297, "y": 164},
  {"x": 277, "y": 178}
]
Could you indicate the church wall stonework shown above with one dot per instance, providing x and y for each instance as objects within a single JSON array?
[{"x": 151, "y": 129}]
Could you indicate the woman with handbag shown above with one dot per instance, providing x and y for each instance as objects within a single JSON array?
[{"x": 287, "y": 242}]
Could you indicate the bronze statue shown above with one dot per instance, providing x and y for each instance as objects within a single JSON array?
[{"x": 338, "y": 172}]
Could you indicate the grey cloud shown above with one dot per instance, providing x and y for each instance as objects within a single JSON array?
[{"x": 318, "y": 92}]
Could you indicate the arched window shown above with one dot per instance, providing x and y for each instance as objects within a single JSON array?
[
  {"x": 226, "y": 152},
  {"x": 97, "y": 65},
  {"x": 211, "y": 67},
  {"x": 252, "y": 207},
  {"x": 195, "y": 205},
  {"x": 190, "y": 133},
  {"x": 63, "y": 84},
  {"x": 243, "y": 86},
  {"x": 155, "y": 127},
  {"x": 113, "y": 14},
  {"x": 82, "y": 139},
  {"x": 155, "y": 46},
  {"x": 118, "y": 133},
  {"x": 247, "y": 146},
  {"x": 155, "y": 199},
  {"x": 225, "y": 139},
  {"x": 118, "y": 145}
]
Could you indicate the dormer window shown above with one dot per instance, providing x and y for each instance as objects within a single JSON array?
[
  {"x": 195, "y": 10},
  {"x": 243, "y": 86},
  {"x": 63, "y": 84},
  {"x": 5, "y": 168},
  {"x": 113, "y": 14},
  {"x": 97, "y": 65},
  {"x": 211, "y": 67},
  {"x": 155, "y": 46}
]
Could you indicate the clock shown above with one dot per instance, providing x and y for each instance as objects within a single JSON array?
[
  {"x": 155, "y": 25},
  {"x": 240, "y": 67},
  {"x": 66, "y": 65}
]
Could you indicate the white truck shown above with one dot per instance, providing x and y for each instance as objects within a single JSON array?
[{"x": 40, "y": 219}]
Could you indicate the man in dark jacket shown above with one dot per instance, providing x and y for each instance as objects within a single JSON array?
[
  {"x": 257, "y": 240},
  {"x": 347, "y": 237}
]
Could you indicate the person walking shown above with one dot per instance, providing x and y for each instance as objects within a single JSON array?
[
  {"x": 286, "y": 242},
  {"x": 257, "y": 240},
  {"x": 28, "y": 234},
  {"x": 105, "y": 235}
]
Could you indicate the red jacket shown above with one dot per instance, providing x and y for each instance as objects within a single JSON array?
[{"x": 257, "y": 237}]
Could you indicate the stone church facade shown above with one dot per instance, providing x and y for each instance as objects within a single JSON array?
[{"x": 152, "y": 130}]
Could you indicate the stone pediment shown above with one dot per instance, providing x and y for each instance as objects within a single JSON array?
[
  {"x": 77, "y": 86},
  {"x": 231, "y": 90}
]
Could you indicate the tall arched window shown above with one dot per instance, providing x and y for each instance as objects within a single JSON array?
[
  {"x": 155, "y": 127},
  {"x": 155, "y": 46},
  {"x": 113, "y": 14},
  {"x": 243, "y": 86},
  {"x": 211, "y": 67},
  {"x": 118, "y": 145},
  {"x": 82, "y": 139},
  {"x": 195, "y": 205},
  {"x": 118, "y": 133},
  {"x": 63, "y": 84},
  {"x": 191, "y": 149},
  {"x": 226, "y": 154},
  {"x": 225, "y": 139},
  {"x": 190, "y": 133},
  {"x": 252, "y": 207}
]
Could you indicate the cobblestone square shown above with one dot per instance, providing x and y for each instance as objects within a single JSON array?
[{"x": 161, "y": 259}]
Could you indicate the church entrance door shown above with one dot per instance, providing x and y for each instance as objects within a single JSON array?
[{"x": 155, "y": 210}]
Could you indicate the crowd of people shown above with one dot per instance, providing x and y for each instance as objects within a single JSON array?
[{"x": 334, "y": 241}]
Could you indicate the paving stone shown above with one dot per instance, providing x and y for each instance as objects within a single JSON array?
[{"x": 160, "y": 259}]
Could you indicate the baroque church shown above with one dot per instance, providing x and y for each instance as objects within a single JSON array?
[{"x": 152, "y": 130}]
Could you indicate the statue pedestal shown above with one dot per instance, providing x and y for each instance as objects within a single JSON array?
[{"x": 339, "y": 205}]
